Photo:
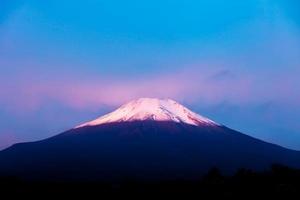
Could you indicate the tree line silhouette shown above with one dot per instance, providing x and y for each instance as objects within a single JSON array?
[{"x": 279, "y": 181}]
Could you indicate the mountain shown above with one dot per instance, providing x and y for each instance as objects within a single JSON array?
[{"x": 148, "y": 139}]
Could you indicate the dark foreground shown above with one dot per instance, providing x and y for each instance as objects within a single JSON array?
[{"x": 279, "y": 181}]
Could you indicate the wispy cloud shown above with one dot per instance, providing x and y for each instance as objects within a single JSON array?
[{"x": 194, "y": 85}]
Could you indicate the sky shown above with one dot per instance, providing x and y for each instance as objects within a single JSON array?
[{"x": 64, "y": 62}]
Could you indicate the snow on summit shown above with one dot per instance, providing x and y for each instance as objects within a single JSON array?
[{"x": 152, "y": 109}]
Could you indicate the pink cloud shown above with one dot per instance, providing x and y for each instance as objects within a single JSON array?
[
  {"x": 204, "y": 85},
  {"x": 7, "y": 138}
]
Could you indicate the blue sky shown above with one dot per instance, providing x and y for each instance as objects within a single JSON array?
[{"x": 64, "y": 62}]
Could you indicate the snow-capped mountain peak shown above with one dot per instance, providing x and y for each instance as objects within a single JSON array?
[{"x": 152, "y": 109}]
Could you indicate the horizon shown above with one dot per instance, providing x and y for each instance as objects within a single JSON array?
[{"x": 64, "y": 62}]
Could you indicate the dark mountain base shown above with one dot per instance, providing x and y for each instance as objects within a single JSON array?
[
  {"x": 278, "y": 182},
  {"x": 146, "y": 150}
]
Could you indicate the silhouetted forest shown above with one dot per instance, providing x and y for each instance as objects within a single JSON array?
[{"x": 279, "y": 181}]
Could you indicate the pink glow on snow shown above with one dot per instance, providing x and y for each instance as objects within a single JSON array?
[{"x": 152, "y": 109}]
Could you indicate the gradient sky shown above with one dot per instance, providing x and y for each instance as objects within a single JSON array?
[{"x": 64, "y": 62}]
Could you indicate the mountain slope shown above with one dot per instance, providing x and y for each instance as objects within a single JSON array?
[{"x": 139, "y": 147}]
